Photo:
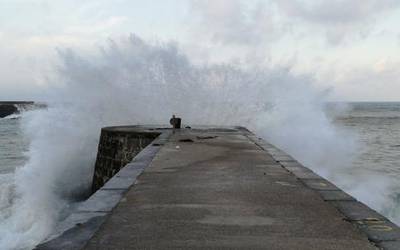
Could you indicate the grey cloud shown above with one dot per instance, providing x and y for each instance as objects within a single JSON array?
[
  {"x": 337, "y": 11},
  {"x": 338, "y": 18},
  {"x": 239, "y": 22},
  {"x": 380, "y": 82},
  {"x": 234, "y": 22}
]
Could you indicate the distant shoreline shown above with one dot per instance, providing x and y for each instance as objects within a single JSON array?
[
  {"x": 15, "y": 107},
  {"x": 16, "y": 102}
]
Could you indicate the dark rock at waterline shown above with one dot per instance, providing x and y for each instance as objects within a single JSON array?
[{"x": 7, "y": 109}]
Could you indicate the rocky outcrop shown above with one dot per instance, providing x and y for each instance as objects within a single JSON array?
[{"x": 7, "y": 109}]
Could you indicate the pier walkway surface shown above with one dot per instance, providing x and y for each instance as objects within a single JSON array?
[{"x": 219, "y": 189}]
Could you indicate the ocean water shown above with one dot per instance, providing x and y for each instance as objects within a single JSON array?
[
  {"x": 373, "y": 176},
  {"x": 13, "y": 144},
  {"x": 377, "y": 126}
]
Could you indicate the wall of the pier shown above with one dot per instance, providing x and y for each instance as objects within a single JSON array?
[{"x": 117, "y": 147}]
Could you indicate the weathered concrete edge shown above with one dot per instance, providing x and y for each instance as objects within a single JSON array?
[
  {"x": 79, "y": 227},
  {"x": 379, "y": 230}
]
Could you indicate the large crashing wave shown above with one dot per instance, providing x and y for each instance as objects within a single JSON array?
[{"x": 133, "y": 82}]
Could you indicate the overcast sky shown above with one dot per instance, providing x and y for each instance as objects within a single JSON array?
[{"x": 350, "y": 46}]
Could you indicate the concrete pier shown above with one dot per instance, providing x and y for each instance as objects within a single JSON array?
[{"x": 221, "y": 189}]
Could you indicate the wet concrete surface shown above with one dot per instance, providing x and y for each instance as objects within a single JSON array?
[{"x": 220, "y": 189}]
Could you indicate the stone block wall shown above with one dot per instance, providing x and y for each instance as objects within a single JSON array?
[{"x": 117, "y": 147}]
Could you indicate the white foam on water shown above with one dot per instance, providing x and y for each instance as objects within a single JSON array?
[{"x": 13, "y": 116}]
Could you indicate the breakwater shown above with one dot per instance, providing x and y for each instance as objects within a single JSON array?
[
  {"x": 219, "y": 188},
  {"x": 13, "y": 107}
]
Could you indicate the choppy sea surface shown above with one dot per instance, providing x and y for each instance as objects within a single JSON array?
[
  {"x": 13, "y": 144},
  {"x": 376, "y": 126}
]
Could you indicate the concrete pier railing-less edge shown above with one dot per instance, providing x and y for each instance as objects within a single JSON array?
[
  {"x": 379, "y": 230},
  {"x": 75, "y": 231},
  {"x": 79, "y": 227}
]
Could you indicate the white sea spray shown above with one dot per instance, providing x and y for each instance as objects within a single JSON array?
[{"x": 134, "y": 82}]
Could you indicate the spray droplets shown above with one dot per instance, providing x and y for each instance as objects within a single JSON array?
[{"x": 133, "y": 82}]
